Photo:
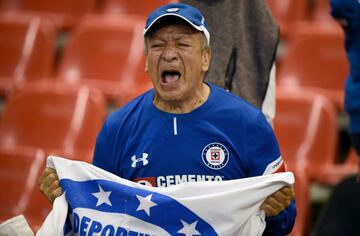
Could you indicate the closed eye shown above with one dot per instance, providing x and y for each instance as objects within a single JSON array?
[
  {"x": 184, "y": 45},
  {"x": 155, "y": 45}
]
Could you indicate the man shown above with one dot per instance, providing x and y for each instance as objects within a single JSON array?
[
  {"x": 347, "y": 13},
  {"x": 185, "y": 129}
]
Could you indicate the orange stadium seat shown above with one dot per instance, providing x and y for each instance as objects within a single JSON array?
[
  {"x": 62, "y": 120},
  {"x": 107, "y": 53},
  {"x": 321, "y": 11},
  {"x": 26, "y": 50},
  {"x": 306, "y": 128},
  {"x": 334, "y": 174},
  {"x": 20, "y": 170},
  {"x": 288, "y": 12},
  {"x": 133, "y": 7},
  {"x": 302, "y": 201},
  {"x": 316, "y": 59},
  {"x": 63, "y": 13}
]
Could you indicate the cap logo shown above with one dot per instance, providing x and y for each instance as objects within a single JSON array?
[{"x": 175, "y": 9}]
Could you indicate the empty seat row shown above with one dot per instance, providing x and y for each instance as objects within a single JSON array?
[
  {"x": 307, "y": 131},
  {"x": 26, "y": 50},
  {"x": 289, "y": 12},
  {"x": 103, "y": 52},
  {"x": 107, "y": 53},
  {"x": 65, "y": 14},
  {"x": 315, "y": 58},
  {"x": 60, "y": 119}
]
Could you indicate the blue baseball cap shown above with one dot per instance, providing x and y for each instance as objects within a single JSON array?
[{"x": 187, "y": 13}]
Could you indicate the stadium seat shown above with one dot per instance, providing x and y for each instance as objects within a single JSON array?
[
  {"x": 62, "y": 120},
  {"x": 142, "y": 8},
  {"x": 302, "y": 201},
  {"x": 306, "y": 128},
  {"x": 316, "y": 59},
  {"x": 288, "y": 12},
  {"x": 334, "y": 174},
  {"x": 321, "y": 11},
  {"x": 26, "y": 50},
  {"x": 107, "y": 53},
  {"x": 20, "y": 169},
  {"x": 63, "y": 13}
]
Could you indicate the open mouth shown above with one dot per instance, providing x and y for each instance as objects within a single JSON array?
[{"x": 170, "y": 76}]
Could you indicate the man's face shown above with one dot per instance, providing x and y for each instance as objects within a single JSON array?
[{"x": 176, "y": 62}]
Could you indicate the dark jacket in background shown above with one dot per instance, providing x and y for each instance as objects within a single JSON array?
[{"x": 248, "y": 26}]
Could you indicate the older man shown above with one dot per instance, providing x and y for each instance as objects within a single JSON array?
[{"x": 185, "y": 129}]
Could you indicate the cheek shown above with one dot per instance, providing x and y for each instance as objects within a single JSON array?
[{"x": 150, "y": 65}]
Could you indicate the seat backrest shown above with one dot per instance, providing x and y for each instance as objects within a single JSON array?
[
  {"x": 142, "y": 8},
  {"x": 53, "y": 117},
  {"x": 27, "y": 46},
  {"x": 75, "y": 7},
  {"x": 105, "y": 49},
  {"x": 20, "y": 169},
  {"x": 289, "y": 11},
  {"x": 302, "y": 202},
  {"x": 321, "y": 11},
  {"x": 315, "y": 58},
  {"x": 306, "y": 127}
]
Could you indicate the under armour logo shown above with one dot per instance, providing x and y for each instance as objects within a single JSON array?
[{"x": 142, "y": 159}]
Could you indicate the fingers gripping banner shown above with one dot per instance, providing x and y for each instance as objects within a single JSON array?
[{"x": 96, "y": 202}]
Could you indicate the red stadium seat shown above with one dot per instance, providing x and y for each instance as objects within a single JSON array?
[
  {"x": 288, "y": 12},
  {"x": 321, "y": 11},
  {"x": 133, "y": 7},
  {"x": 62, "y": 120},
  {"x": 107, "y": 53},
  {"x": 316, "y": 59},
  {"x": 63, "y": 13},
  {"x": 27, "y": 50},
  {"x": 334, "y": 174},
  {"x": 20, "y": 169},
  {"x": 306, "y": 128},
  {"x": 302, "y": 201}
]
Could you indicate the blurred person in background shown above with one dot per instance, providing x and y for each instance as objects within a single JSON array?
[
  {"x": 244, "y": 40},
  {"x": 347, "y": 14}
]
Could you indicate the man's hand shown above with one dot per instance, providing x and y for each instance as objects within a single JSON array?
[
  {"x": 49, "y": 184},
  {"x": 278, "y": 201}
]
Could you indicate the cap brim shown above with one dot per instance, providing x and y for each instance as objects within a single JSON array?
[{"x": 199, "y": 28}]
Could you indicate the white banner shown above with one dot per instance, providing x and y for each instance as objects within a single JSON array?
[{"x": 96, "y": 202}]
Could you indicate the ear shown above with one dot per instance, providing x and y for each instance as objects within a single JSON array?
[{"x": 206, "y": 57}]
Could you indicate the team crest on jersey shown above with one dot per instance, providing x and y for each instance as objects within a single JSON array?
[{"x": 215, "y": 156}]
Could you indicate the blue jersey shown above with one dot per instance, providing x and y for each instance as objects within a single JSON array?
[{"x": 225, "y": 138}]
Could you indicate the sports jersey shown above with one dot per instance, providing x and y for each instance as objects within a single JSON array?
[
  {"x": 225, "y": 138},
  {"x": 110, "y": 205}
]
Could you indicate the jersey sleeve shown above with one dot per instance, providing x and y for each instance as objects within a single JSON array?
[
  {"x": 103, "y": 155},
  {"x": 281, "y": 224},
  {"x": 262, "y": 149},
  {"x": 264, "y": 157}
]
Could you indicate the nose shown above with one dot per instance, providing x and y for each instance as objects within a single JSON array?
[{"x": 169, "y": 54}]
